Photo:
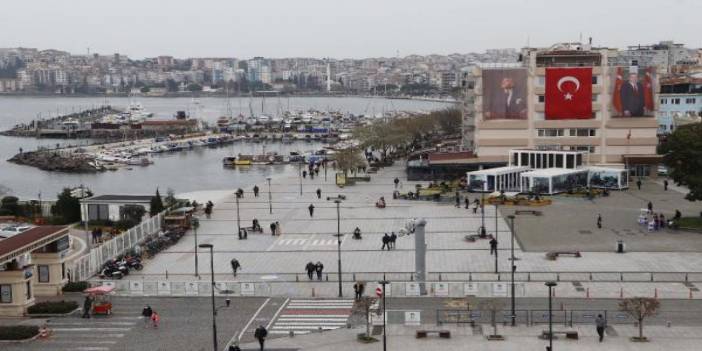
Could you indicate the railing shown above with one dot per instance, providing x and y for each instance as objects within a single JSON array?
[{"x": 88, "y": 265}]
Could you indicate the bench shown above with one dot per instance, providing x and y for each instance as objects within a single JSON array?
[
  {"x": 569, "y": 334},
  {"x": 531, "y": 212},
  {"x": 441, "y": 333},
  {"x": 553, "y": 255}
]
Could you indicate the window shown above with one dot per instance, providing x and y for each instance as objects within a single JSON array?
[
  {"x": 594, "y": 80},
  {"x": 634, "y": 62},
  {"x": 542, "y": 98},
  {"x": 5, "y": 293},
  {"x": 29, "y": 289},
  {"x": 690, "y": 100},
  {"x": 43, "y": 273},
  {"x": 550, "y": 132},
  {"x": 98, "y": 212},
  {"x": 583, "y": 132},
  {"x": 63, "y": 270},
  {"x": 664, "y": 101},
  {"x": 675, "y": 101},
  {"x": 540, "y": 81},
  {"x": 595, "y": 97},
  {"x": 559, "y": 160}
]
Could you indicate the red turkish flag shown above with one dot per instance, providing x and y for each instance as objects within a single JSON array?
[{"x": 569, "y": 93}]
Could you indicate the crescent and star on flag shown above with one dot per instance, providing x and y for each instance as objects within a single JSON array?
[{"x": 568, "y": 95}]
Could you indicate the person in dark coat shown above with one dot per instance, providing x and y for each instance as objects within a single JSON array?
[
  {"x": 393, "y": 238},
  {"x": 311, "y": 208},
  {"x": 600, "y": 325},
  {"x": 304, "y": 174},
  {"x": 638, "y": 184},
  {"x": 358, "y": 289},
  {"x": 260, "y": 335},
  {"x": 310, "y": 268},
  {"x": 599, "y": 221},
  {"x": 273, "y": 228},
  {"x": 493, "y": 246},
  {"x": 386, "y": 242},
  {"x": 87, "y": 306},
  {"x": 458, "y": 200},
  {"x": 665, "y": 184},
  {"x": 146, "y": 314},
  {"x": 319, "y": 193},
  {"x": 650, "y": 206},
  {"x": 467, "y": 202},
  {"x": 235, "y": 265},
  {"x": 234, "y": 348},
  {"x": 319, "y": 267},
  {"x": 240, "y": 193},
  {"x": 396, "y": 181},
  {"x": 255, "y": 190}
]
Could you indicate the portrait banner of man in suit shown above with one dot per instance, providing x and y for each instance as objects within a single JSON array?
[
  {"x": 633, "y": 91},
  {"x": 504, "y": 93}
]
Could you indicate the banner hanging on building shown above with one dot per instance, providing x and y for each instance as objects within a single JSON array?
[
  {"x": 632, "y": 95},
  {"x": 568, "y": 93}
]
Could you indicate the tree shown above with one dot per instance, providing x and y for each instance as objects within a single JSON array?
[
  {"x": 449, "y": 120},
  {"x": 640, "y": 308},
  {"x": 193, "y": 87},
  {"x": 67, "y": 207},
  {"x": 170, "y": 198},
  {"x": 131, "y": 214},
  {"x": 9, "y": 206},
  {"x": 156, "y": 206},
  {"x": 493, "y": 306},
  {"x": 145, "y": 90},
  {"x": 349, "y": 159},
  {"x": 171, "y": 85},
  {"x": 683, "y": 157}
]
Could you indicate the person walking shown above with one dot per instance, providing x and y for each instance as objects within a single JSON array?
[
  {"x": 146, "y": 315},
  {"x": 600, "y": 324},
  {"x": 260, "y": 335},
  {"x": 493, "y": 246},
  {"x": 650, "y": 207},
  {"x": 273, "y": 228},
  {"x": 319, "y": 267},
  {"x": 235, "y": 265},
  {"x": 311, "y": 208},
  {"x": 393, "y": 238},
  {"x": 319, "y": 193},
  {"x": 87, "y": 306},
  {"x": 386, "y": 242},
  {"x": 240, "y": 193},
  {"x": 255, "y": 190},
  {"x": 458, "y": 200},
  {"x": 467, "y": 202},
  {"x": 304, "y": 174},
  {"x": 310, "y": 268},
  {"x": 358, "y": 289},
  {"x": 665, "y": 184},
  {"x": 155, "y": 319},
  {"x": 599, "y": 221},
  {"x": 278, "y": 229},
  {"x": 638, "y": 183},
  {"x": 397, "y": 182}
]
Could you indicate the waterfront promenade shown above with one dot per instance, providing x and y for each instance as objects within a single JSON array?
[{"x": 280, "y": 260}]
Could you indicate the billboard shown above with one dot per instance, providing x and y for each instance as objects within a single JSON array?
[
  {"x": 504, "y": 93},
  {"x": 632, "y": 94},
  {"x": 568, "y": 93}
]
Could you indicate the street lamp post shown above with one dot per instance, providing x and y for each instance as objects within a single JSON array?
[
  {"x": 550, "y": 315},
  {"x": 238, "y": 218},
  {"x": 497, "y": 241},
  {"x": 214, "y": 309},
  {"x": 196, "y": 224},
  {"x": 299, "y": 173},
  {"x": 385, "y": 339},
  {"x": 514, "y": 268},
  {"x": 270, "y": 196},
  {"x": 338, "y": 235},
  {"x": 482, "y": 216}
]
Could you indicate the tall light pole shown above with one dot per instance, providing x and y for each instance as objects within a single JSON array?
[
  {"x": 385, "y": 339},
  {"x": 550, "y": 315},
  {"x": 270, "y": 196},
  {"x": 338, "y": 235},
  {"x": 514, "y": 268},
  {"x": 497, "y": 243},
  {"x": 238, "y": 218},
  {"x": 214, "y": 309},
  {"x": 483, "y": 232},
  {"x": 196, "y": 224},
  {"x": 299, "y": 173}
]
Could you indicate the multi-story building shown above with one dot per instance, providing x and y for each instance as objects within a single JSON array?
[
  {"x": 567, "y": 97},
  {"x": 663, "y": 56},
  {"x": 680, "y": 101}
]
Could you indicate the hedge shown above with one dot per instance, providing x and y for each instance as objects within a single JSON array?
[
  {"x": 53, "y": 307},
  {"x": 75, "y": 287},
  {"x": 18, "y": 332}
]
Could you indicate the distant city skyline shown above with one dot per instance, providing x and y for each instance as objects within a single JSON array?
[{"x": 359, "y": 29}]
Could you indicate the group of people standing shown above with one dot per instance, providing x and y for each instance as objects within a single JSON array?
[
  {"x": 313, "y": 268},
  {"x": 389, "y": 241}
]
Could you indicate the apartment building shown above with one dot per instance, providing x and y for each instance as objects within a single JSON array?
[
  {"x": 680, "y": 101},
  {"x": 566, "y": 97}
]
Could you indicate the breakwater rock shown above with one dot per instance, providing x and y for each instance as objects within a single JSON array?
[{"x": 57, "y": 161}]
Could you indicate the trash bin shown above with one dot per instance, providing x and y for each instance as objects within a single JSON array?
[{"x": 620, "y": 246}]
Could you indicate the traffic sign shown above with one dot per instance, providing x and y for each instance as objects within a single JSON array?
[{"x": 379, "y": 291}]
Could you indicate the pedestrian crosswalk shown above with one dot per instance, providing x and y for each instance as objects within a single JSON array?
[
  {"x": 94, "y": 334},
  {"x": 306, "y": 242},
  {"x": 305, "y": 316}
]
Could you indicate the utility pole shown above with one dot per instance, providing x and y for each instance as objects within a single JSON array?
[
  {"x": 497, "y": 242},
  {"x": 270, "y": 196},
  {"x": 514, "y": 268}
]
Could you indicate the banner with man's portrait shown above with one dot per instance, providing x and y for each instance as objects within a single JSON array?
[
  {"x": 504, "y": 93},
  {"x": 632, "y": 93}
]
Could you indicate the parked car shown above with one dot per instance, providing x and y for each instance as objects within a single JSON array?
[{"x": 12, "y": 230}]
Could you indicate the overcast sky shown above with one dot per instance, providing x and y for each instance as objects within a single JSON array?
[{"x": 338, "y": 28}]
